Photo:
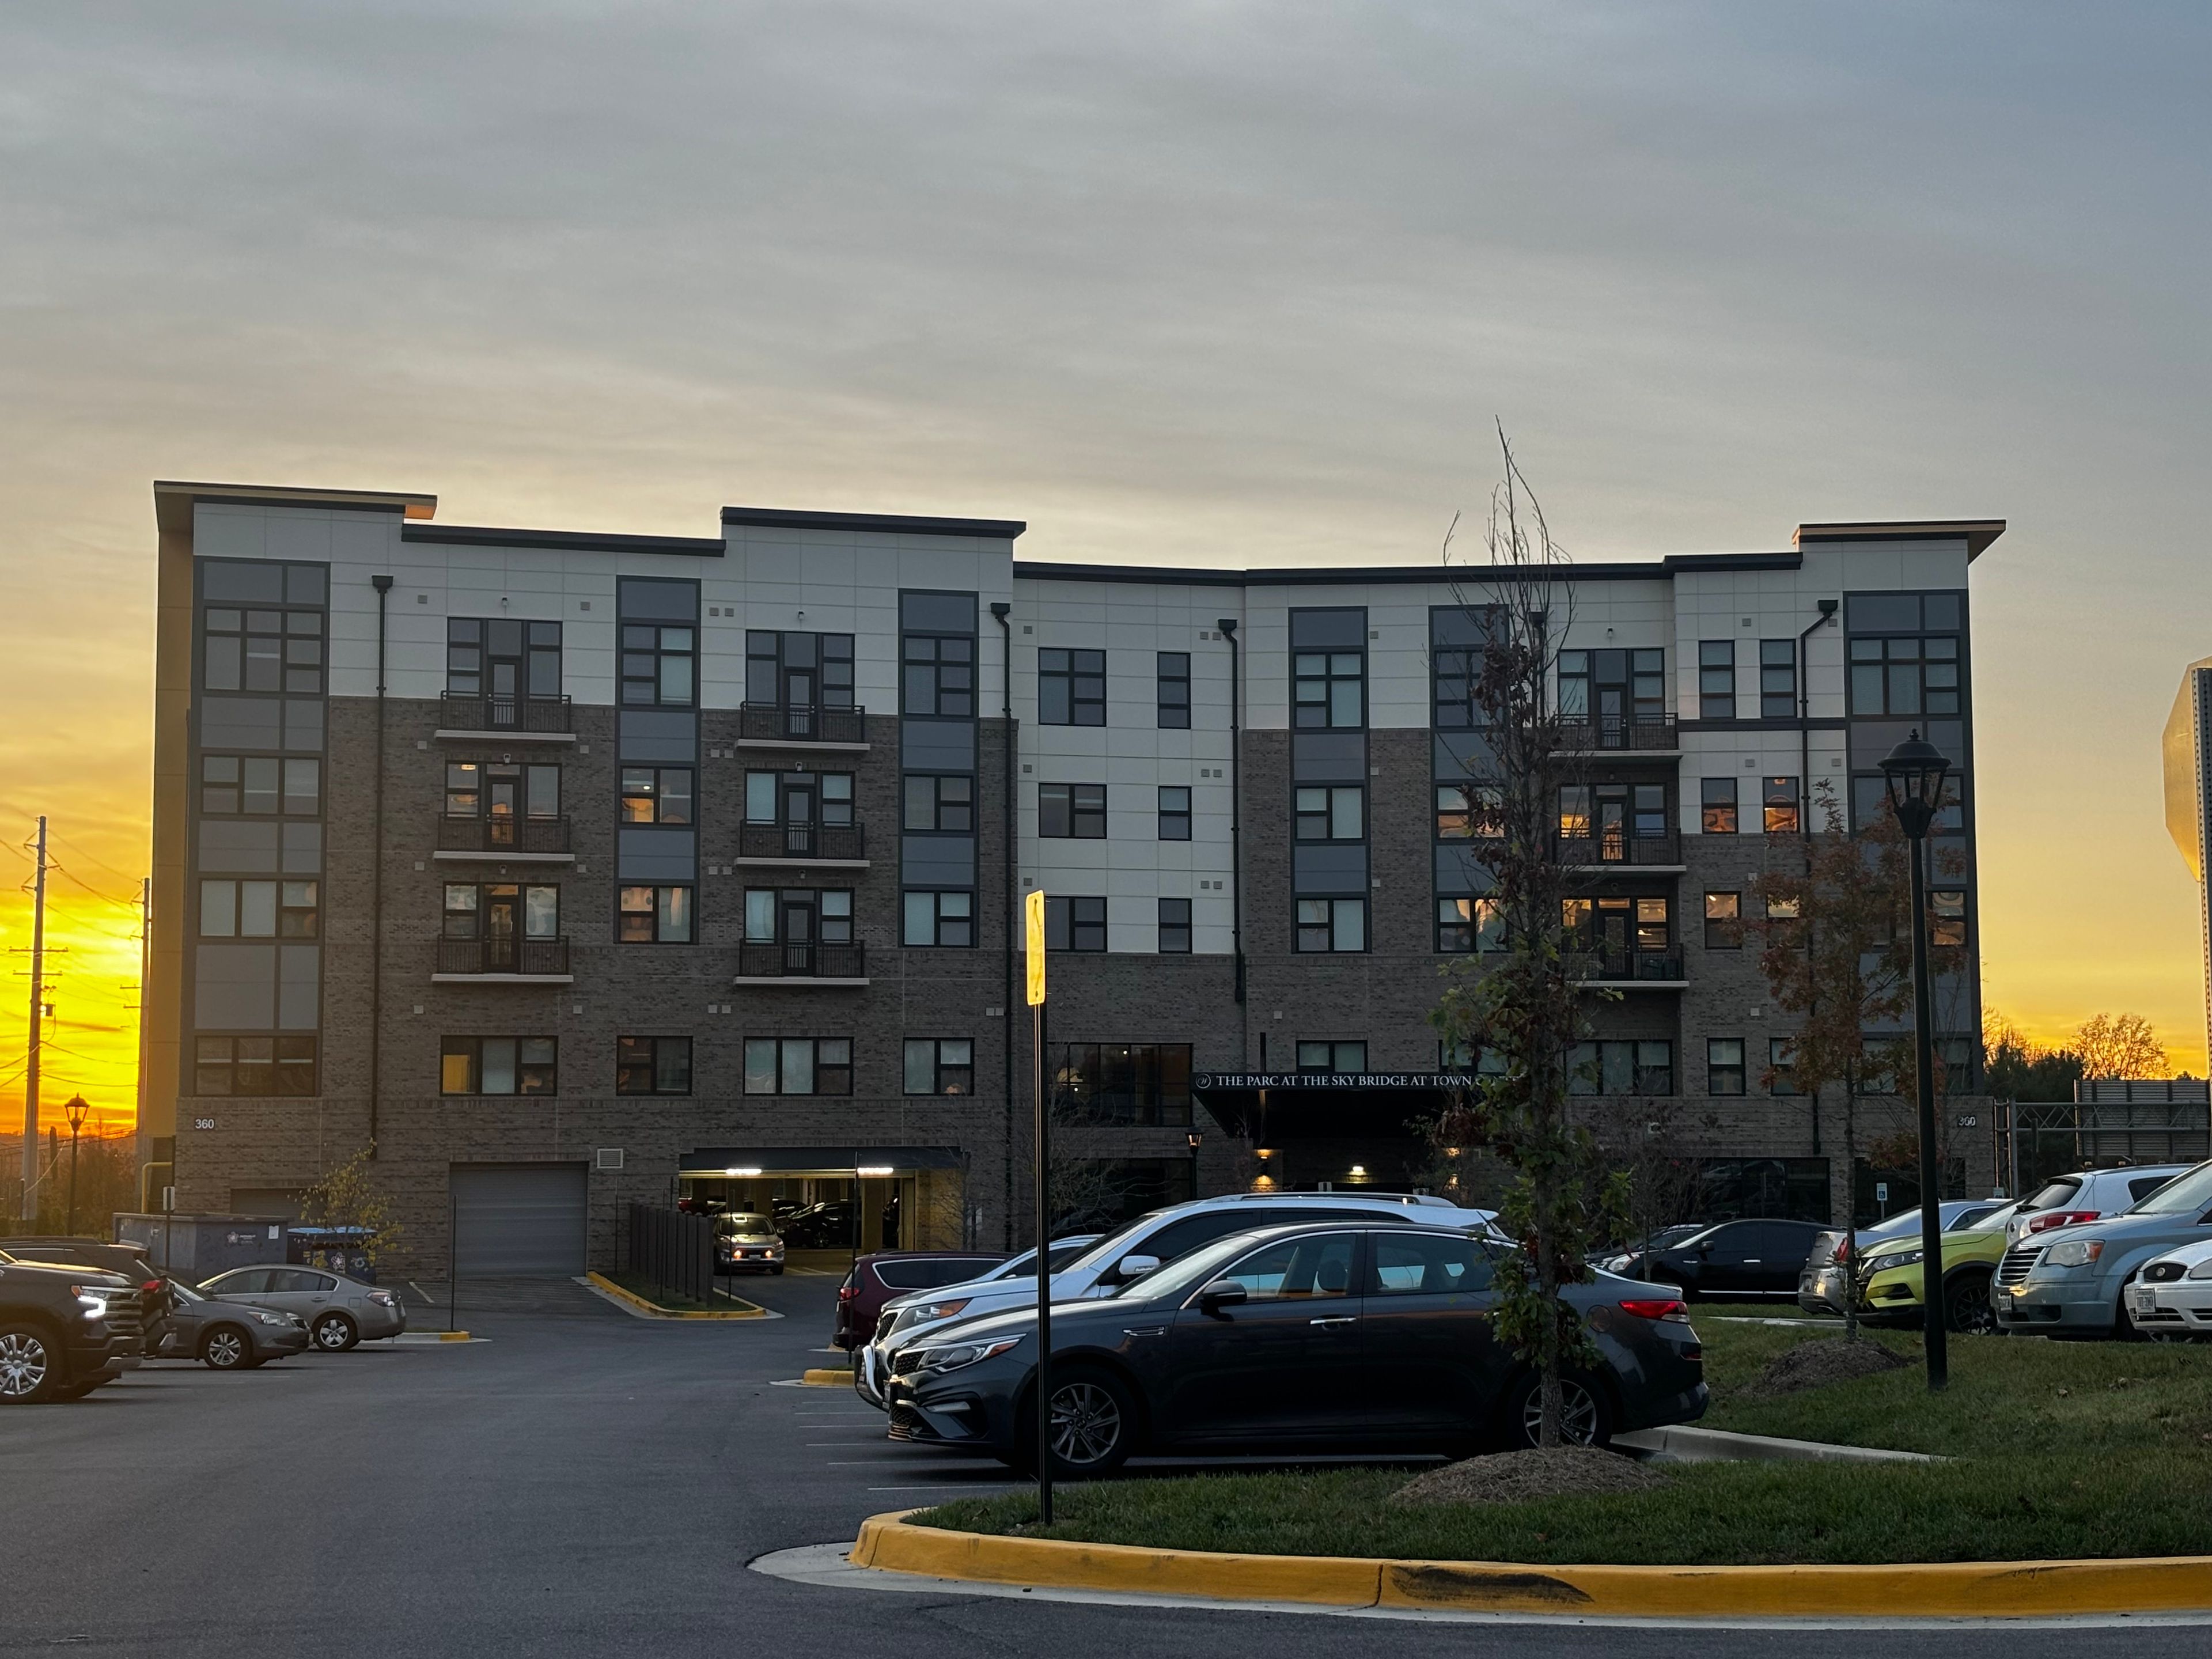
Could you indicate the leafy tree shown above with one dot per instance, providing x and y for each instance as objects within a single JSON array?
[
  {"x": 2119, "y": 1045},
  {"x": 2014, "y": 1068},
  {"x": 349, "y": 1196}
]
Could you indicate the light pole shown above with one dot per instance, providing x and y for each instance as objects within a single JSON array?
[
  {"x": 1914, "y": 771},
  {"x": 76, "y": 1107}
]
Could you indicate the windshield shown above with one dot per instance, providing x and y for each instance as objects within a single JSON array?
[
  {"x": 1182, "y": 1276},
  {"x": 2189, "y": 1195},
  {"x": 1062, "y": 1253},
  {"x": 726, "y": 1224}
]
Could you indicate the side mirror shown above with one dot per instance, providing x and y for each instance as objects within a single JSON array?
[
  {"x": 1222, "y": 1293},
  {"x": 1705, "y": 1250},
  {"x": 1135, "y": 1267}
]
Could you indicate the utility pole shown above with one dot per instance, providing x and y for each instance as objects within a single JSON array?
[
  {"x": 145, "y": 965},
  {"x": 38, "y": 1009}
]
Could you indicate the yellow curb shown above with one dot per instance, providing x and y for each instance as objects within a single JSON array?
[
  {"x": 824, "y": 1377},
  {"x": 452, "y": 1336},
  {"x": 747, "y": 1310},
  {"x": 1912, "y": 1590}
]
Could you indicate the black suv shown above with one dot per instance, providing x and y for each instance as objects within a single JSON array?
[{"x": 63, "y": 1330}]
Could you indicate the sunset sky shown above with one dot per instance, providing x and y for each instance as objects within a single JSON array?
[{"x": 1208, "y": 283}]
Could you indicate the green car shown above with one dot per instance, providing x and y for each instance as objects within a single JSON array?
[{"x": 1890, "y": 1278}]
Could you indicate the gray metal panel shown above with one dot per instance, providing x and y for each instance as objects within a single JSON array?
[
  {"x": 1329, "y": 758},
  {"x": 934, "y": 745},
  {"x": 1459, "y": 873},
  {"x": 1326, "y": 867},
  {"x": 518, "y": 1219},
  {"x": 230, "y": 847},
  {"x": 303, "y": 848},
  {"x": 656, "y": 854},
  {"x": 235, "y": 987},
  {"x": 657, "y": 598},
  {"x": 937, "y": 861},
  {"x": 659, "y": 734},
  {"x": 299, "y": 974},
  {"x": 1463, "y": 754},
  {"x": 303, "y": 725},
  {"x": 240, "y": 722}
]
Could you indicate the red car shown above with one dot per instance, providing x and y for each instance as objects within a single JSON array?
[{"x": 875, "y": 1280}]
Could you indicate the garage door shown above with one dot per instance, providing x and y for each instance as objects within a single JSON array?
[{"x": 517, "y": 1219}]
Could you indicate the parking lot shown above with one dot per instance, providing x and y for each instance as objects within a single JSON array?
[{"x": 578, "y": 1481}]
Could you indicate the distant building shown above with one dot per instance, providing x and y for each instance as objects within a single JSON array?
[{"x": 2188, "y": 747}]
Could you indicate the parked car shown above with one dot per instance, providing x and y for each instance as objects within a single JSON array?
[
  {"x": 1616, "y": 1260},
  {"x": 1758, "y": 1257},
  {"x": 338, "y": 1312},
  {"x": 1891, "y": 1275},
  {"x": 2073, "y": 1281},
  {"x": 939, "y": 1301},
  {"x": 2171, "y": 1300},
  {"x": 127, "y": 1259},
  {"x": 1323, "y": 1337},
  {"x": 747, "y": 1241},
  {"x": 2068, "y": 1200},
  {"x": 875, "y": 1280},
  {"x": 1135, "y": 1249},
  {"x": 64, "y": 1330},
  {"x": 228, "y": 1336},
  {"x": 1821, "y": 1283},
  {"x": 825, "y": 1226}
]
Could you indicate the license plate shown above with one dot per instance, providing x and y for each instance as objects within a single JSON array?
[{"x": 2145, "y": 1301}]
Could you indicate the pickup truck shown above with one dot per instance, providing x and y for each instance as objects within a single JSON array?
[{"x": 63, "y": 1330}]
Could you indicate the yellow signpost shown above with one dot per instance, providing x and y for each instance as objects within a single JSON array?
[
  {"x": 1033, "y": 915},
  {"x": 1033, "y": 912}
]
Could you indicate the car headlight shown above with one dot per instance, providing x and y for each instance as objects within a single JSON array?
[
  {"x": 2074, "y": 1252},
  {"x": 934, "y": 1310},
  {"x": 2202, "y": 1269},
  {"x": 960, "y": 1354},
  {"x": 94, "y": 1305},
  {"x": 273, "y": 1318},
  {"x": 1901, "y": 1259}
]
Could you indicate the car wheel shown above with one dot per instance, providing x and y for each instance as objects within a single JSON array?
[
  {"x": 1585, "y": 1419},
  {"x": 1966, "y": 1304},
  {"x": 334, "y": 1333},
  {"x": 1094, "y": 1425},
  {"x": 226, "y": 1348},
  {"x": 30, "y": 1367}
]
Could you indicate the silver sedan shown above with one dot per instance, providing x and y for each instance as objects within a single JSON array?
[{"x": 337, "y": 1311}]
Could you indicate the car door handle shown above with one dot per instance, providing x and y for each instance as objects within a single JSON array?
[{"x": 1336, "y": 1319}]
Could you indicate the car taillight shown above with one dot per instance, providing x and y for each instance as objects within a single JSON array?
[
  {"x": 151, "y": 1285},
  {"x": 847, "y": 1292},
  {"x": 2050, "y": 1219},
  {"x": 1657, "y": 1308}
]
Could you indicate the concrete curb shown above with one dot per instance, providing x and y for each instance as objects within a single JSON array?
[
  {"x": 646, "y": 1310},
  {"x": 821, "y": 1377},
  {"x": 1682, "y": 1444},
  {"x": 1996, "y": 1589}
]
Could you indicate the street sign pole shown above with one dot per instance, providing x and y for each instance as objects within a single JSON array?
[{"x": 1033, "y": 915}]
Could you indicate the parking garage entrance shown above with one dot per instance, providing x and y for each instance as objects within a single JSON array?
[
  {"x": 832, "y": 1203},
  {"x": 1341, "y": 1132}
]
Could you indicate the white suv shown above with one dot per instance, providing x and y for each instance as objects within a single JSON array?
[
  {"x": 1130, "y": 1251},
  {"x": 2067, "y": 1201}
]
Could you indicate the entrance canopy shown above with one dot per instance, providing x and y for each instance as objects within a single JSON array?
[{"x": 845, "y": 1161}]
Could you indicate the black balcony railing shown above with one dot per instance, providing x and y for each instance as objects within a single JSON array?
[
  {"x": 1609, "y": 847},
  {"x": 772, "y": 723},
  {"x": 1627, "y": 965},
  {"x": 465, "y": 713},
  {"x": 801, "y": 840},
  {"x": 502, "y": 835},
  {"x": 535, "y": 957},
  {"x": 1619, "y": 732},
  {"x": 795, "y": 961}
]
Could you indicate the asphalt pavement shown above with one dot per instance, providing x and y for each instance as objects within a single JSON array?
[{"x": 580, "y": 1481}]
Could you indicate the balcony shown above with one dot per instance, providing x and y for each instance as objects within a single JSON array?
[
  {"x": 524, "y": 719},
  {"x": 773, "y": 726},
  {"x": 797, "y": 965},
  {"x": 814, "y": 844},
  {"x": 1646, "y": 970},
  {"x": 505, "y": 839},
  {"x": 1613, "y": 848},
  {"x": 1650, "y": 734},
  {"x": 507, "y": 961}
]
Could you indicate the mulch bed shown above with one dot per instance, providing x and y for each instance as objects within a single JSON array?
[
  {"x": 1816, "y": 1365},
  {"x": 1518, "y": 1476}
]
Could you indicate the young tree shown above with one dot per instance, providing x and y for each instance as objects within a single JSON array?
[
  {"x": 1524, "y": 1006},
  {"x": 349, "y": 1196},
  {"x": 2119, "y": 1045}
]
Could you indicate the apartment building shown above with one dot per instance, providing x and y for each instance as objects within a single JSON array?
[{"x": 567, "y": 869}]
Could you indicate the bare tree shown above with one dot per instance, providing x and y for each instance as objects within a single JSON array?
[{"x": 2119, "y": 1045}]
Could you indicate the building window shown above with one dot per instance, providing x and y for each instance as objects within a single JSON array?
[
  {"x": 1468, "y": 924},
  {"x": 259, "y": 786},
  {"x": 497, "y": 1065},
  {"x": 942, "y": 919},
  {"x": 799, "y": 670},
  {"x": 1724, "y": 1065},
  {"x": 502, "y": 657},
  {"x": 1331, "y": 814},
  {"x": 1719, "y": 806},
  {"x": 1781, "y": 806},
  {"x": 502, "y": 793},
  {"x": 656, "y": 794},
  {"x": 653, "y": 1066},
  {"x": 939, "y": 675},
  {"x": 1071, "y": 811},
  {"x": 940, "y": 1066},
  {"x": 656, "y": 916},
  {"x": 1724, "y": 922},
  {"x": 1071, "y": 687},
  {"x": 1716, "y": 679},
  {"x": 1332, "y": 924},
  {"x": 798, "y": 916},
  {"x": 1621, "y": 1068},
  {"x": 1332, "y": 1058},
  {"x": 1175, "y": 690},
  {"x": 1905, "y": 677},
  {"x": 940, "y": 802},
  {"x": 502, "y": 910},
  {"x": 659, "y": 666},
  {"x": 1455, "y": 648},
  {"x": 259, "y": 909},
  {"x": 253, "y": 1066},
  {"x": 262, "y": 650},
  {"x": 798, "y": 1065},
  {"x": 1175, "y": 926},
  {"x": 1615, "y": 687},
  {"x": 1777, "y": 679},
  {"x": 1328, "y": 689},
  {"x": 1470, "y": 811},
  {"x": 1175, "y": 812},
  {"x": 1946, "y": 917},
  {"x": 1135, "y": 1085},
  {"x": 1616, "y": 927},
  {"x": 1074, "y": 924},
  {"x": 800, "y": 798},
  {"x": 1781, "y": 1066}
]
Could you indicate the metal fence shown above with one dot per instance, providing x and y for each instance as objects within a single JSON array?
[{"x": 673, "y": 1250}]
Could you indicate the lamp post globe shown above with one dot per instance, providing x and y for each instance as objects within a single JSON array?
[
  {"x": 75, "y": 1108},
  {"x": 1915, "y": 771}
]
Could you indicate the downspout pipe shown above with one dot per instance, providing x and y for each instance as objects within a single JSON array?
[
  {"x": 1001, "y": 609},
  {"x": 1828, "y": 609},
  {"x": 1228, "y": 627},
  {"x": 382, "y": 583}
]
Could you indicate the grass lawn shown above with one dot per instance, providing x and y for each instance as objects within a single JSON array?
[{"x": 2057, "y": 1449}]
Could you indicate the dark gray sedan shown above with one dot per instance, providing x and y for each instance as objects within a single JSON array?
[
  {"x": 227, "y": 1336},
  {"x": 1315, "y": 1338}
]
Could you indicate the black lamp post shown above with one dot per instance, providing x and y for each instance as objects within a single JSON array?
[
  {"x": 76, "y": 1107},
  {"x": 1914, "y": 771}
]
